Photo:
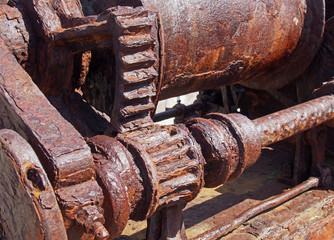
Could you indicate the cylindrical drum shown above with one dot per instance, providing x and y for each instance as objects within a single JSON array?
[{"x": 262, "y": 44}]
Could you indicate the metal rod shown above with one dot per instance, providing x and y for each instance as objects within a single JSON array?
[
  {"x": 291, "y": 121},
  {"x": 264, "y": 205},
  {"x": 177, "y": 111}
]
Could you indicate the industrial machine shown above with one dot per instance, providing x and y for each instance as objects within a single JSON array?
[{"x": 79, "y": 83}]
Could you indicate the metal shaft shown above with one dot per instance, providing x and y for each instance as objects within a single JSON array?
[{"x": 288, "y": 122}]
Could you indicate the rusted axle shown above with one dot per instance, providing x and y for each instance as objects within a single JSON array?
[
  {"x": 288, "y": 122},
  {"x": 231, "y": 143}
]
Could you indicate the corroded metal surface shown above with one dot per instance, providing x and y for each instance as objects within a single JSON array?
[
  {"x": 24, "y": 108},
  {"x": 308, "y": 216},
  {"x": 151, "y": 171},
  {"x": 209, "y": 44},
  {"x": 64, "y": 154},
  {"x": 288, "y": 122},
  {"x": 171, "y": 164},
  {"x": 229, "y": 144},
  {"x": 167, "y": 224},
  {"x": 14, "y": 32},
  {"x": 82, "y": 207},
  {"x": 137, "y": 68},
  {"x": 121, "y": 180},
  {"x": 29, "y": 208},
  {"x": 161, "y": 169}
]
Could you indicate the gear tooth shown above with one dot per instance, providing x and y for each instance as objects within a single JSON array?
[
  {"x": 132, "y": 43},
  {"x": 148, "y": 90},
  {"x": 136, "y": 61},
  {"x": 140, "y": 76},
  {"x": 135, "y": 122},
  {"x": 133, "y": 23},
  {"x": 140, "y": 59},
  {"x": 131, "y": 110}
]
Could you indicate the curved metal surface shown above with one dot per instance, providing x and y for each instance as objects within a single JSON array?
[
  {"x": 29, "y": 208},
  {"x": 214, "y": 43},
  {"x": 280, "y": 125}
]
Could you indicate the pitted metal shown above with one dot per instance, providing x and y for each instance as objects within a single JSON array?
[
  {"x": 171, "y": 164},
  {"x": 120, "y": 178},
  {"x": 137, "y": 67},
  {"x": 150, "y": 171},
  {"x": 230, "y": 143},
  {"x": 34, "y": 206}
]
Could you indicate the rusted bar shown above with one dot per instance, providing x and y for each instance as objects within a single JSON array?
[
  {"x": 85, "y": 37},
  {"x": 177, "y": 111},
  {"x": 257, "y": 209},
  {"x": 288, "y": 122}
]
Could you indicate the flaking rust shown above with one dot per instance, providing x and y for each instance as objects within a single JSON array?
[{"x": 82, "y": 165}]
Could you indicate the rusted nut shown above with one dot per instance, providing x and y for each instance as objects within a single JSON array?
[
  {"x": 170, "y": 163},
  {"x": 82, "y": 204},
  {"x": 100, "y": 231},
  {"x": 87, "y": 216},
  {"x": 229, "y": 143},
  {"x": 92, "y": 220}
]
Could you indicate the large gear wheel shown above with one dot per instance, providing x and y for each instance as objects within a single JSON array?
[{"x": 137, "y": 68}]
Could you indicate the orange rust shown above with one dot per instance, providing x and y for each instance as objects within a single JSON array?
[{"x": 224, "y": 42}]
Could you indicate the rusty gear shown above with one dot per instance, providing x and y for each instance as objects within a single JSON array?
[{"x": 137, "y": 67}]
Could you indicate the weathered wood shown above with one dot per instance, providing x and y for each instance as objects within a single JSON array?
[{"x": 309, "y": 216}]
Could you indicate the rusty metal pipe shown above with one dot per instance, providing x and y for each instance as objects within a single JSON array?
[
  {"x": 257, "y": 209},
  {"x": 291, "y": 121}
]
